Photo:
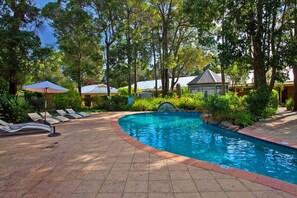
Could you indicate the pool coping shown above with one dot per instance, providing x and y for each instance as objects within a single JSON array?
[{"x": 253, "y": 177}]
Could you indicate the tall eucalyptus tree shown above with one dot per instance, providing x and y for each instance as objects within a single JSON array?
[
  {"x": 109, "y": 21},
  {"x": 19, "y": 46},
  {"x": 250, "y": 31},
  {"x": 78, "y": 40}
]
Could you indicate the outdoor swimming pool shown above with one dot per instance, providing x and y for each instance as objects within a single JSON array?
[{"x": 184, "y": 133}]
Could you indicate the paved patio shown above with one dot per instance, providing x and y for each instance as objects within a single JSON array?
[
  {"x": 281, "y": 128},
  {"x": 89, "y": 159}
]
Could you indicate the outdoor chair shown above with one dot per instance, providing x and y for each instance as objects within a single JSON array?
[
  {"x": 83, "y": 114},
  {"x": 37, "y": 118},
  {"x": 69, "y": 115},
  {"x": 60, "y": 118},
  {"x": 9, "y": 128}
]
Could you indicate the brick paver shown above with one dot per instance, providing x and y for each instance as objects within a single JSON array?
[
  {"x": 90, "y": 160},
  {"x": 280, "y": 128}
]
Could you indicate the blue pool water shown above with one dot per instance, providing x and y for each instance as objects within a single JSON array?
[{"x": 185, "y": 134}]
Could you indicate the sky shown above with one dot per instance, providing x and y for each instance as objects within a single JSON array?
[{"x": 45, "y": 32}]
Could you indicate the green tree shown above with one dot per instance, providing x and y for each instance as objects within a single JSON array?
[
  {"x": 238, "y": 74},
  {"x": 108, "y": 19},
  {"x": 166, "y": 11},
  {"x": 188, "y": 59},
  {"x": 290, "y": 49},
  {"x": 51, "y": 69},
  {"x": 248, "y": 31},
  {"x": 119, "y": 70},
  {"x": 77, "y": 38},
  {"x": 19, "y": 47}
]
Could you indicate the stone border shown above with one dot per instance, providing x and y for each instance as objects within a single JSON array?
[{"x": 253, "y": 177}]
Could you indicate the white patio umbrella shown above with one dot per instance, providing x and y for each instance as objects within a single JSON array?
[{"x": 45, "y": 87}]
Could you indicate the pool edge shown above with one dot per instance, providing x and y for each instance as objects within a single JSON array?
[{"x": 254, "y": 177}]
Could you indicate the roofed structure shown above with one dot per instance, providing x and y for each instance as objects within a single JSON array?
[
  {"x": 206, "y": 77},
  {"x": 207, "y": 82},
  {"x": 150, "y": 84},
  {"x": 97, "y": 89}
]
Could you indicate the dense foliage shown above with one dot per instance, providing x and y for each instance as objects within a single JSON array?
[
  {"x": 120, "y": 103},
  {"x": 77, "y": 38},
  {"x": 20, "y": 47},
  {"x": 229, "y": 107},
  {"x": 245, "y": 110},
  {"x": 69, "y": 99},
  {"x": 111, "y": 103},
  {"x": 289, "y": 104},
  {"x": 125, "y": 91},
  {"x": 252, "y": 33},
  {"x": 262, "y": 103},
  {"x": 121, "y": 42},
  {"x": 13, "y": 109}
]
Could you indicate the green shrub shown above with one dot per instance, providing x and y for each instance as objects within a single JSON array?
[
  {"x": 262, "y": 103},
  {"x": 152, "y": 104},
  {"x": 119, "y": 103},
  {"x": 257, "y": 102},
  {"x": 198, "y": 96},
  {"x": 274, "y": 100},
  {"x": 111, "y": 103},
  {"x": 229, "y": 107},
  {"x": 185, "y": 90},
  {"x": 13, "y": 109},
  {"x": 221, "y": 106},
  {"x": 242, "y": 118},
  {"x": 100, "y": 102},
  {"x": 70, "y": 99},
  {"x": 289, "y": 104},
  {"x": 87, "y": 101},
  {"x": 187, "y": 103},
  {"x": 144, "y": 105},
  {"x": 124, "y": 90},
  {"x": 170, "y": 94}
]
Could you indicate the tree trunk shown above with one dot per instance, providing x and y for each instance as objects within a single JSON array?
[
  {"x": 129, "y": 53},
  {"x": 13, "y": 58},
  {"x": 272, "y": 81},
  {"x": 295, "y": 66},
  {"x": 14, "y": 65},
  {"x": 107, "y": 69},
  {"x": 166, "y": 71},
  {"x": 165, "y": 23},
  {"x": 79, "y": 79},
  {"x": 295, "y": 88},
  {"x": 135, "y": 72},
  {"x": 129, "y": 66},
  {"x": 173, "y": 80},
  {"x": 223, "y": 80},
  {"x": 155, "y": 66},
  {"x": 12, "y": 83}
]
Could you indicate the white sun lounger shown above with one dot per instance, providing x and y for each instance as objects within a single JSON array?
[
  {"x": 10, "y": 129},
  {"x": 83, "y": 114},
  {"x": 69, "y": 115},
  {"x": 37, "y": 118},
  {"x": 60, "y": 118}
]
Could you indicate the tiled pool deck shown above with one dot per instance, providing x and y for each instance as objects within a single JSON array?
[{"x": 94, "y": 158}]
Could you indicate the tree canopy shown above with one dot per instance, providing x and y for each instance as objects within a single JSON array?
[
  {"x": 122, "y": 42},
  {"x": 20, "y": 48}
]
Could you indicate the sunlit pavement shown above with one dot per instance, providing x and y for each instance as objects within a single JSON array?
[{"x": 89, "y": 159}]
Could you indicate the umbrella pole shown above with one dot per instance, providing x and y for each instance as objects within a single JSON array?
[{"x": 45, "y": 106}]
